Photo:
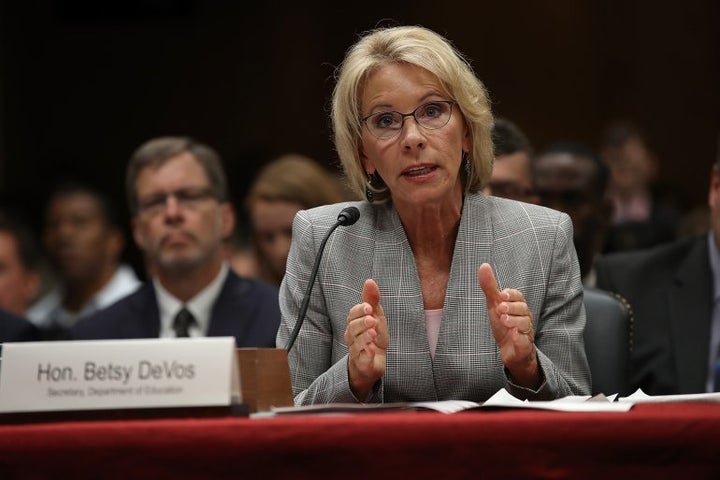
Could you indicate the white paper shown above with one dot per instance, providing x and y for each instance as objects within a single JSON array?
[
  {"x": 501, "y": 399},
  {"x": 641, "y": 397},
  {"x": 572, "y": 403}
]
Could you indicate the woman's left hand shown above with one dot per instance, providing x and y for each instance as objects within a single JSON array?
[{"x": 512, "y": 326}]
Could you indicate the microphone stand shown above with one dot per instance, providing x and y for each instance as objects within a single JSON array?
[
  {"x": 263, "y": 374},
  {"x": 347, "y": 216}
]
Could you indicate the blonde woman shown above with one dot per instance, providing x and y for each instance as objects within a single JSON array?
[{"x": 437, "y": 291}]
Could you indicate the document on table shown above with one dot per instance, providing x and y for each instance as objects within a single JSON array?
[
  {"x": 573, "y": 403},
  {"x": 641, "y": 397},
  {"x": 501, "y": 399}
]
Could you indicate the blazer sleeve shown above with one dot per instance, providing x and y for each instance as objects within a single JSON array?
[{"x": 559, "y": 335}]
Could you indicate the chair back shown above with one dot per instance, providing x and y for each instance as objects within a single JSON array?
[{"x": 608, "y": 340}]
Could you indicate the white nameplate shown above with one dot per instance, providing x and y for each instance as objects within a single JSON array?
[{"x": 111, "y": 374}]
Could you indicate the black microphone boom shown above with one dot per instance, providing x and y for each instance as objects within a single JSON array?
[{"x": 347, "y": 217}]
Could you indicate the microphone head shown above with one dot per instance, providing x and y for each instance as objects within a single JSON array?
[{"x": 348, "y": 216}]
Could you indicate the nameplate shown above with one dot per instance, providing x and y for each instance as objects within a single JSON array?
[{"x": 117, "y": 374}]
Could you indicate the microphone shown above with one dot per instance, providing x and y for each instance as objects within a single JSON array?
[{"x": 347, "y": 217}]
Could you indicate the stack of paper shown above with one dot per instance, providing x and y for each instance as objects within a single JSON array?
[
  {"x": 641, "y": 397},
  {"x": 501, "y": 399}
]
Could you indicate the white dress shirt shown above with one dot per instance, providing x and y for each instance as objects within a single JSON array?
[
  {"x": 49, "y": 312},
  {"x": 200, "y": 306}
]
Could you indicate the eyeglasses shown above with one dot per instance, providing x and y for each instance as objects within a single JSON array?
[
  {"x": 188, "y": 197},
  {"x": 431, "y": 116}
]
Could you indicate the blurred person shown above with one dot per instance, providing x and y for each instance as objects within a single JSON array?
[
  {"x": 643, "y": 215},
  {"x": 437, "y": 292},
  {"x": 512, "y": 173},
  {"x": 571, "y": 177},
  {"x": 19, "y": 265},
  {"x": 177, "y": 193},
  {"x": 14, "y": 328},
  {"x": 694, "y": 222},
  {"x": 674, "y": 290},
  {"x": 240, "y": 253},
  {"x": 84, "y": 244},
  {"x": 284, "y": 186}
]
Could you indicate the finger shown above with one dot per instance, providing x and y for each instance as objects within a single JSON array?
[
  {"x": 356, "y": 327},
  {"x": 489, "y": 285},
  {"x": 518, "y": 309},
  {"x": 358, "y": 311},
  {"x": 514, "y": 295},
  {"x": 371, "y": 294},
  {"x": 522, "y": 323}
]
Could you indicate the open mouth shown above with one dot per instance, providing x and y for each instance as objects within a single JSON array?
[{"x": 418, "y": 171}]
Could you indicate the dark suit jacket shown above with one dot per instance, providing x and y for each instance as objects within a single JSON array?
[
  {"x": 246, "y": 309},
  {"x": 16, "y": 329},
  {"x": 670, "y": 290}
]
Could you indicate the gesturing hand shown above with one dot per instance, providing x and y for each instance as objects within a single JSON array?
[
  {"x": 512, "y": 326},
  {"x": 366, "y": 336}
]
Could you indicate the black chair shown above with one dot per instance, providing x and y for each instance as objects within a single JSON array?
[{"x": 608, "y": 341}]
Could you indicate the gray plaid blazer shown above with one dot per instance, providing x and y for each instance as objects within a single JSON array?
[{"x": 530, "y": 249}]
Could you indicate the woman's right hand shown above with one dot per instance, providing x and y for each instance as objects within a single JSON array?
[{"x": 366, "y": 336}]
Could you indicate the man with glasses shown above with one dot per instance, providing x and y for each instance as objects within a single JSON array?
[
  {"x": 512, "y": 174},
  {"x": 177, "y": 193}
]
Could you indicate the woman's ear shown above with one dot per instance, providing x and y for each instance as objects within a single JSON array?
[
  {"x": 467, "y": 141},
  {"x": 367, "y": 164}
]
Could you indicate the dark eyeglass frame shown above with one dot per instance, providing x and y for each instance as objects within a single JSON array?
[
  {"x": 394, "y": 133},
  {"x": 187, "y": 197}
]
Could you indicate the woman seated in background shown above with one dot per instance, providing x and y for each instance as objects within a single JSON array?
[{"x": 287, "y": 184}]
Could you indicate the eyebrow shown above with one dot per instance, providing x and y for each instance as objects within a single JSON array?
[{"x": 388, "y": 107}]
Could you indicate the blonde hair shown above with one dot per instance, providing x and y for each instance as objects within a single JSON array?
[
  {"x": 424, "y": 48},
  {"x": 297, "y": 179}
]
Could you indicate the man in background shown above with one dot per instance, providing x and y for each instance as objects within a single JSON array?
[
  {"x": 512, "y": 174},
  {"x": 19, "y": 279},
  {"x": 84, "y": 244},
  {"x": 19, "y": 265},
  {"x": 181, "y": 217},
  {"x": 571, "y": 178},
  {"x": 643, "y": 214},
  {"x": 674, "y": 290}
]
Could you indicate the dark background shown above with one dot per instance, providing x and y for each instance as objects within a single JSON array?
[{"x": 83, "y": 83}]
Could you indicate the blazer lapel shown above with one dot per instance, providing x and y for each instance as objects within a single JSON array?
[
  {"x": 473, "y": 247},
  {"x": 146, "y": 314},
  {"x": 226, "y": 316},
  {"x": 464, "y": 300},
  {"x": 690, "y": 300},
  {"x": 395, "y": 271}
]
